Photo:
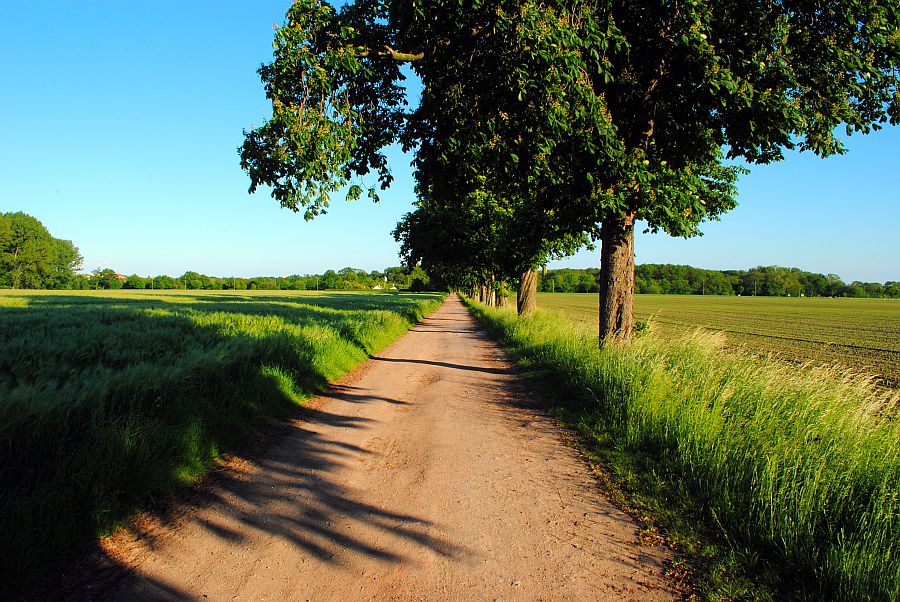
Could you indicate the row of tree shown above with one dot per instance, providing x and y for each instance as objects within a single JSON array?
[
  {"x": 546, "y": 124},
  {"x": 392, "y": 278},
  {"x": 31, "y": 258},
  {"x": 667, "y": 279}
]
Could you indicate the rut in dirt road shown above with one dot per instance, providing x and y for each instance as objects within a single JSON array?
[{"x": 426, "y": 474}]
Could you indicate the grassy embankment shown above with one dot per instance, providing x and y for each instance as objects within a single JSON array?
[
  {"x": 862, "y": 334},
  {"x": 108, "y": 400},
  {"x": 783, "y": 482}
]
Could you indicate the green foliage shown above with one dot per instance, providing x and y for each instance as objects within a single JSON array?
[
  {"x": 164, "y": 283},
  {"x": 768, "y": 281},
  {"x": 547, "y": 118},
  {"x": 195, "y": 281},
  {"x": 797, "y": 469},
  {"x": 135, "y": 282},
  {"x": 569, "y": 281},
  {"x": 106, "y": 279},
  {"x": 112, "y": 399},
  {"x": 67, "y": 261},
  {"x": 392, "y": 278},
  {"x": 335, "y": 105},
  {"x": 31, "y": 258}
]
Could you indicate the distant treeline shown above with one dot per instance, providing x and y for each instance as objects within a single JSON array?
[
  {"x": 346, "y": 279},
  {"x": 773, "y": 281},
  {"x": 31, "y": 258}
]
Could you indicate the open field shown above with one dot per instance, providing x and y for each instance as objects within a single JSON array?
[
  {"x": 862, "y": 334},
  {"x": 789, "y": 477},
  {"x": 109, "y": 399}
]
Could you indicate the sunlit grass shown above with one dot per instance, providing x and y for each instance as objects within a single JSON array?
[
  {"x": 861, "y": 334},
  {"x": 110, "y": 399},
  {"x": 794, "y": 471}
]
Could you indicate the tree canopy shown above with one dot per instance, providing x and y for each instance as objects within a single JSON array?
[
  {"x": 31, "y": 258},
  {"x": 569, "y": 118}
]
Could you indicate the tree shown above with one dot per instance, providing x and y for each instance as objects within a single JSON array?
[
  {"x": 164, "y": 283},
  {"x": 577, "y": 113},
  {"x": 31, "y": 258},
  {"x": 67, "y": 260},
  {"x": 106, "y": 278},
  {"x": 682, "y": 81},
  {"x": 458, "y": 242},
  {"x": 27, "y": 251},
  {"x": 329, "y": 280},
  {"x": 195, "y": 281},
  {"x": 135, "y": 282}
]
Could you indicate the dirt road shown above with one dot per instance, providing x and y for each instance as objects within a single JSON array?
[{"x": 427, "y": 474}]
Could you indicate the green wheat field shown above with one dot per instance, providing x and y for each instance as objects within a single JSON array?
[{"x": 109, "y": 400}]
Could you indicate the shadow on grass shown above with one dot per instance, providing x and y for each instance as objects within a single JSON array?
[{"x": 110, "y": 402}]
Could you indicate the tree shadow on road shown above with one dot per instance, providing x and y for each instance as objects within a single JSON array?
[
  {"x": 284, "y": 489},
  {"x": 443, "y": 365}
]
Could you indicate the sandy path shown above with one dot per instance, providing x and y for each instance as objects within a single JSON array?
[{"x": 423, "y": 475}]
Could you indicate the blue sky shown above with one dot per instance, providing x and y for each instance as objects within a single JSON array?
[{"x": 122, "y": 120}]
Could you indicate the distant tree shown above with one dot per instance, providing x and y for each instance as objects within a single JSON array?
[
  {"x": 835, "y": 285},
  {"x": 291, "y": 283},
  {"x": 419, "y": 280},
  {"x": 27, "y": 252},
  {"x": 195, "y": 281},
  {"x": 106, "y": 278},
  {"x": 262, "y": 283},
  {"x": 81, "y": 282},
  {"x": 329, "y": 280},
  {"x": 854, "y": 289},
  {"x": 873, "y": 289},
  {"x": 67, "y": 260},
  {"x": 135, "y": 282},
  {"x": 164, "y": 283},
  {"x": 31, "y": 258},
  {"x": 763, "y": 281}
]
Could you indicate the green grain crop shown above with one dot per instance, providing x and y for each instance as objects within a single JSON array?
[
  {"x": 109, "y": 399},
  {"x": 860, "y": 334}
]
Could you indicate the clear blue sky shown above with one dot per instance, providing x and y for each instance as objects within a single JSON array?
[{"x": 122, "y": 120}]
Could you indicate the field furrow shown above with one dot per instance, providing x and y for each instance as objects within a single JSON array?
[{"x": 860, "y": 334}]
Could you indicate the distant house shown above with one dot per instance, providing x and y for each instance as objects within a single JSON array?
[{"x": 377, "y": 287}]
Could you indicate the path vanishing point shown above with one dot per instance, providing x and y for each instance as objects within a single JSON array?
[{"x": 428, "y": 473}]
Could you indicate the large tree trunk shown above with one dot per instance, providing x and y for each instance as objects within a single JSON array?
[
  {"x": 526, "y": 297},
  {"x": 617, "y": 279}
]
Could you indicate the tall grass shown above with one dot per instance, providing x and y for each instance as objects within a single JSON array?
[
  {"x": 107, "y": 402},
  {"x": 797, "y": 466}
]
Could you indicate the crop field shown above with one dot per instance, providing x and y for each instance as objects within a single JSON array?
[
  {"x": 111, "y": 399},
  {"x": 795, "y": 471},
  {"x": 861, "y": 334}
]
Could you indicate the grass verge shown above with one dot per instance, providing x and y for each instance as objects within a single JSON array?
[
  {"x": 107, "y": 402},
  {"x": 779, "y": 482}
]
